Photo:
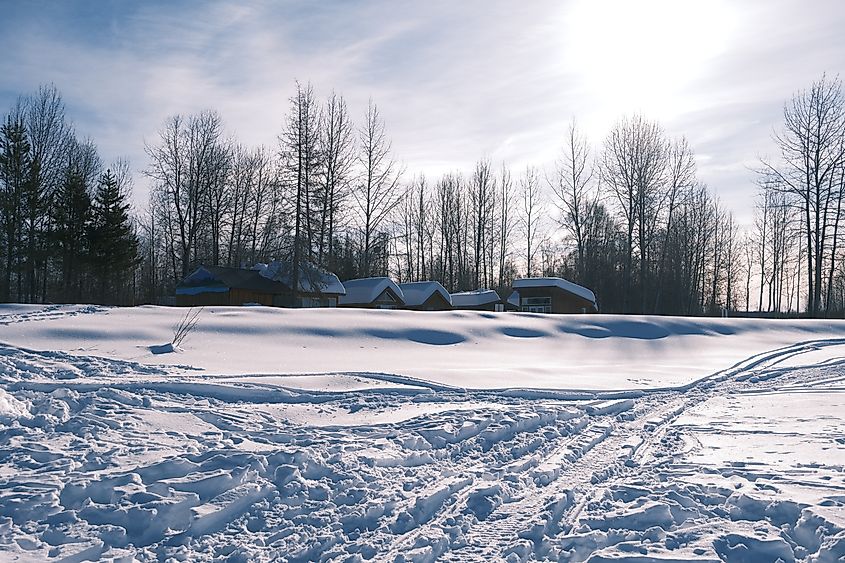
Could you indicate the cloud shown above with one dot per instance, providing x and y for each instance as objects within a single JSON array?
[{"x": 454, "y": 81}]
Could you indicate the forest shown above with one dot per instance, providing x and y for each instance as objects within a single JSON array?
[{"x": 627, "y": 216}]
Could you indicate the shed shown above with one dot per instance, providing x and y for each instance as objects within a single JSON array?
[
  {"x": 552, "y": 295},
  {"x": 479, "y": 300},
  {"x": 372, "y": 293},
  {"x": 426, "y": 296}
]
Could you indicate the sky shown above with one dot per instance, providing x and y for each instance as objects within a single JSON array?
[{"x": 454, "y": 81}]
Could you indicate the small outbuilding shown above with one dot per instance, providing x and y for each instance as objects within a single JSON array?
[
  {"x": 480, "y": 300},
  {"x": 372, "y": 293},
  {"x": 426, "y": 296},
  {"x": 552, "y": 295},
  {"x": 265, "y": 284}
]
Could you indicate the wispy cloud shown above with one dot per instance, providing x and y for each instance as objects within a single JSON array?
[{"x": 454, "y": 81}]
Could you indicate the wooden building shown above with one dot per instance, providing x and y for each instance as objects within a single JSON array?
[
  {"x": 552, "y": 295},
  {"x": 480, "y": 300},
  {"x": 426, "y": 296},
  {"x": 372, "y": 293},
  {"x": 264, "y": 284}
]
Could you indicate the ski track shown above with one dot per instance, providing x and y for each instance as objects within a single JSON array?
[{"x": 117, "y": 459}]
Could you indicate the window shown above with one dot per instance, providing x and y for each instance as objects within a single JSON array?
[
  {"x": 536, "y": 304},
  {"x": 536, "y": 301},
  {"x": 499, "y": 307}
]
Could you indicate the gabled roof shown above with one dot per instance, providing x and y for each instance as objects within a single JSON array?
[
  {"x": 364, "y": 291},
  {"x": 475, "y": 298},
  {"x": 311, "y": 278},
  {"x": 416, "y": 293},
  {"x": 208, "y": 279},
  {"x": 561, "y": 283},
  {"x": 273, "y": 278},
  {"x": 513, "y": 299}
]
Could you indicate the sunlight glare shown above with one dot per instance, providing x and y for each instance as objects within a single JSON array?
[{"x": 641, "y": 56}]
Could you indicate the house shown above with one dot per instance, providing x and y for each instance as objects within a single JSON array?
[
  {"x": 266, "y": 284},
  {"x": 372, "y": 293},
  {"x": 426, "y": 296},
  {"x": 552, "y": 295},
  {"x": 480, "y": 300}
]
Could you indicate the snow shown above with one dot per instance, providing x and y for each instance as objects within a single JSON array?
[
  {"x": 364, "y": 291},
  {"x": 563, "y": 284},
  {"x": 474, "y": 298},
  {"x": 455, "y": 436},
  {"x": 11, "y": 408},
  {"x": 311, "y": 279},
  {"x": 453, "y": 348},
  {"x": 416, "y": 293}
]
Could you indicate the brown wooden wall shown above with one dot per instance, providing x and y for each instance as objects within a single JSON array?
[
  {"x": 231, "y": 297},
  {"x": 563, "y": 302}
]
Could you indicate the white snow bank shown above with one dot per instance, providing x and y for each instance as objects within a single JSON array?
[
  {"x": 11, "y": 407},
  {"x": 455, "y": 348}
]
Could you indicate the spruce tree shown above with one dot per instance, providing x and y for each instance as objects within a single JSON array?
[
  {"x": 71, "y": 226},
  {"x": 113, "y": 244},
  {"x": 14, "y": 174}
]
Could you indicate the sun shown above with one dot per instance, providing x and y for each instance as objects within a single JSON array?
[{"x": 643, "y": 55}]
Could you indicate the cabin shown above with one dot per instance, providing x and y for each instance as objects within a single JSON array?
[
  {"x": 372, "y": 293},
  {"x": 265, "y": 284},
  {"x": 552, "y": 295},
  {"x": 426, "y": 296},
  {"x": 480, "y": 300}
]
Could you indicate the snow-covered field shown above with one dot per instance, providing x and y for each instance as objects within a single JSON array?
[{"x": 350, "y": 435}]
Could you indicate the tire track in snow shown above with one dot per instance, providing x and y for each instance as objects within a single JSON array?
[{"x": 518, "y": 529}]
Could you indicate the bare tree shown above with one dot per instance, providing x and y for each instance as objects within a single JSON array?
[
  {"x": 481, "y": 200},
  {"x": 337, "y": 149},
  {"x": 531, "y": 209},
  {"x": 378, "y": 190},
  {"x": 506, "y": 222},
  {"x": 183, "y": 167},
  {"x": 633, "y": 167},
  {"x": 812, "y": 151},
  {"x": 571, "y": 189},
  {"x": 300, "y": 165},
  {"x": 681, "y": 177}
]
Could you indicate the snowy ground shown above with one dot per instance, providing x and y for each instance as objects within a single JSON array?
[{"x": 360, "y": 435}]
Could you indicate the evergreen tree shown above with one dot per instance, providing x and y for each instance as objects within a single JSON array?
[
  {"x": 113, "y": 244},
  {"x": 14, "y": 175},
  {"x": 71, "y": 224}
]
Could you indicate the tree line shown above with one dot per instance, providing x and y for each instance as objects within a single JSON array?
[
  {"x": 67, "y": 235},
  {"x": 628, "y": 217}
]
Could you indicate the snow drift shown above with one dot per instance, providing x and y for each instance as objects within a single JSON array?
[{"x": 468, "y": 349}]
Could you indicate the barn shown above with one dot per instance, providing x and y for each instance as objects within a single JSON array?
[
  {"x": 426, "y": 296},
  {"x": 266, "y": 284},
  {"x": 372, "y": 293},
  {"x": 480, "y": 300},
  {"x": 552, "y": 295}
]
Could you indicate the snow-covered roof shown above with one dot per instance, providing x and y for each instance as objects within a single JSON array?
[
  {"x": 219, "y": 279},
  {"x": 311, "y": 278},
  {"x": 513, "y": 299},
  {"x": 366, "y": 290},
  {"x": 475, "y": 298},
  {"x": 561, "y": 283},
  {"x": 416, "y": 293}
]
